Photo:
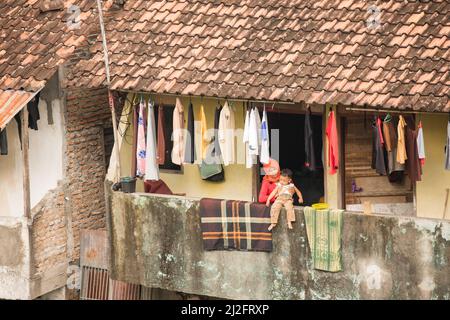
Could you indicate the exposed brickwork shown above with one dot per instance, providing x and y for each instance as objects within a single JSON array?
[
  {"x": 87, "y": 114},
  {"x": 49, "y": 236}
]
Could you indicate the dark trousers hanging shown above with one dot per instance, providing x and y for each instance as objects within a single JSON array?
[
  {"x": 33, "y": 112},
  {"x": 3, "y": 143},
  {"x": 189, "y": 150}
]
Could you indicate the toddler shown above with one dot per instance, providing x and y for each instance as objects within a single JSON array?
[{"x": 283, "y": 192}]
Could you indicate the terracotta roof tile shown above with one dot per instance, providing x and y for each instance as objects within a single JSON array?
[
  {"x": 288, "y": 50},
  {"x": 12, "y": 102},
  {"x": 34, "y": 43}
]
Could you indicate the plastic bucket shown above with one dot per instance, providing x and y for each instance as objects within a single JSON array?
[{"x": 128, "y": 184}]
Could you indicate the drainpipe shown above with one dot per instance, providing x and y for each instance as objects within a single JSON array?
[{"x": 110, "y": 97}]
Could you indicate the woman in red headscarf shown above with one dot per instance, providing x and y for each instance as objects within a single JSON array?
[{"x": 272, "y": 171}]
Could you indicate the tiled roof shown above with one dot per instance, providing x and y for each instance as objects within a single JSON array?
[
  {"x": 34, "y": 43},
  {"x": 12, "y": 102},
  {"x": 315, "y": 51}
]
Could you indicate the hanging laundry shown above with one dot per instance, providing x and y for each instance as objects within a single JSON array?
[
  {"x": 413, "y": 166},
  {"x": 388, "y": 136},
  {"x": 151, "y": 162},
  {"x": 421, "y": 144},
  {"x": 189, "y": 155},
  {"x": 33, "y": 112},
  {"x": 141, "y": 144},
  {"x": 265, "y": 143},
  {"x": 253, "y": 136},
  {"x": 447, "y": 148},
  {"x": 310, "y": 159},
  {"x": 161, "y": 155},
  {"x": 178, "y": 133},
  {"x": 18, "y": 119},
  {"x": 378, "y": 156},
  {"x": 259, "y": 131},
  {"x": 401, "y": 149},
  {"x": 395, "y": 169},
  {"x": 226, "y": 134},
  {"x": 324, "y": 229},
  {"x": 217, "y": 152},
  {"x": 3, "y": 143},
  {"x": 249, "y": 158},
  {"x": 205, "y": 140},
  {"x": 333, "y": 146},
  {"x": 248, "y": 235}
]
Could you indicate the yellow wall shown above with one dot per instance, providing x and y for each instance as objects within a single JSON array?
[
  {"x": 430, "y": 192},
  {"x": 238, "y": 179}
]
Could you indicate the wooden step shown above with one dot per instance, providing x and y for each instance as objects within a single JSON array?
[{"x": 380, "y": 193}]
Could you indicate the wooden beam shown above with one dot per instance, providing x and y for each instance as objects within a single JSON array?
[
  {"x": 26, "y": 163},
  {"x": 135, "y": 134},
  {"x": 255, "y": 182}
]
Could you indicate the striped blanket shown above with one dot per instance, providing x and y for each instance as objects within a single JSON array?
[
  {"x": 324, "y": 229},
  {"x": 235, "y": 225}
]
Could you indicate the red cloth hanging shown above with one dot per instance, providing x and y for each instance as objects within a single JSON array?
[
  {"x": 161, "y": 150},
  {"x": 333, "y": 143},
  {"x": 380, "y": 130}
]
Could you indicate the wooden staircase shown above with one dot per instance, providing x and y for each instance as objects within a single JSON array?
[{"x": 358, "y": 159}]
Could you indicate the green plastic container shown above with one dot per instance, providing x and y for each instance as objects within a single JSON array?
[{"x": 128, "y": 184}]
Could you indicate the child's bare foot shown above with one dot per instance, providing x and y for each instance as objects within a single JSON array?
[
  {"x": 289, "y": 225},
  {"x": 271, "y": 226}
]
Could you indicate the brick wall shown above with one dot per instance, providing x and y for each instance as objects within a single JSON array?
[
  {"x": 87, "y": 115},
  {"x": 49, "y": 236},
  {"x": 78, "y": 202}
]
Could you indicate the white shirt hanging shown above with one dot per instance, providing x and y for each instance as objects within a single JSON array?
[
  {"x": 249, "y": 159},
  {"x": 226, "y": 134},
  {"x": 265, "y": 144},
  {"x": 151, "y": 162},
  {"x": 178, "y": 134},
  {"x": 253, "y": 136},
  {"x": 140, "y": 151},
  {"x": 421, "y": 144},
  {"x": 258, "y": 128}
]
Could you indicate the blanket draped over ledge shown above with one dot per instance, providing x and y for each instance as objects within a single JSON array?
[
  {"x": 235, "y": 225},
  {"x": 324, "y": 229}
]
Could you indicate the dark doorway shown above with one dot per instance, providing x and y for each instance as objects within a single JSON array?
[{"x": 292, "y": 153}]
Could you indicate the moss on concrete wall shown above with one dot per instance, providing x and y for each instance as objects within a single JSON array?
[{"x": 156, "y": 241}]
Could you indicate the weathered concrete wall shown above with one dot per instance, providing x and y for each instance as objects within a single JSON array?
[
  {"x": 156, "y": 241},
  {"x": 14, "y": 258}
]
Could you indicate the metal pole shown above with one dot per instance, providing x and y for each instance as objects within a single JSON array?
[
  {"x": 207, "y": 97},
  {"x": 110, "y": 97},
  {"x": 26, "y": 164}
]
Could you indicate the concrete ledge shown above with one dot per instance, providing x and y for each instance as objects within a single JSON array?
[
  {"x": 156, "y": 241},
  {"x": 52, "y": 279}
]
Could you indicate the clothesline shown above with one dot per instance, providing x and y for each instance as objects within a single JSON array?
[
  {"x": 396, "y": 111},
  {"x": 206, "y": 97}
]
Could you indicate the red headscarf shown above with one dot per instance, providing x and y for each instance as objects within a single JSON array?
[{"x": 272, "y": 170}]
